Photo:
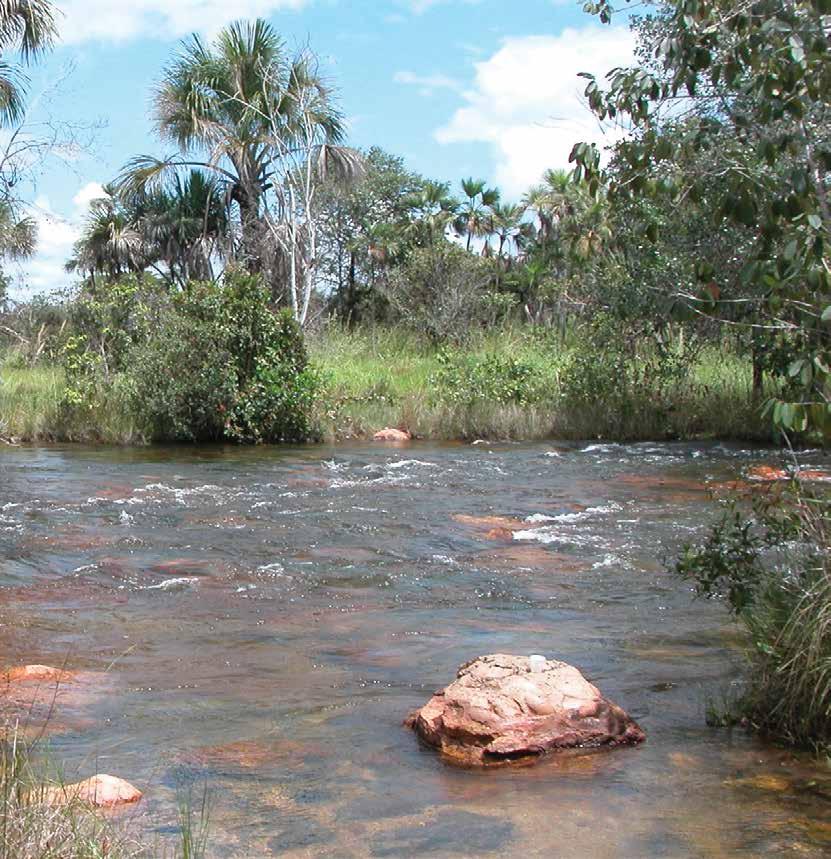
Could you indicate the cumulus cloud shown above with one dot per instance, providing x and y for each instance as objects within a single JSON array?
[
  {"x": 87, "y": 193},
  {"x": 105, "y": 20},
  {"x": 45, "y": 272},
  {"x": 526, "y": 100}
]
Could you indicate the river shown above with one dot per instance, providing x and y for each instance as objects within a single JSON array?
[{"x": 261, "y": 621}]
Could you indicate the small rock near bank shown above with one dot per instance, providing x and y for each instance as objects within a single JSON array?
[
  {"x": 39, "y": 673},
  {"x": 503, "y": 708},
  {"x": 390, "y": 434},
  {"x": 99, "y": 791}
]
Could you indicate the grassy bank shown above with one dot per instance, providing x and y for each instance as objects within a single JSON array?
[
  {"x": 379, "y": 378},
  {"x": 517, "y": 384}
]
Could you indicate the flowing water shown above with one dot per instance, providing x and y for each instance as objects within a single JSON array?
[{"x": 261, "y": 621}]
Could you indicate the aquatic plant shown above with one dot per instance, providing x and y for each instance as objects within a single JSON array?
[{"x": 771, "y": 565}]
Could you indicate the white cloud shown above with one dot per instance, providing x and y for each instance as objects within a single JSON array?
[
  {"x": 526, "y": 100},
  {"x": 89, "y": 192},
  {"x": 45, "y": 272},
  {"x": 105, "y": 20},
  {"x": 419, "y": 7},
  {"x": 428, "y": 83}
]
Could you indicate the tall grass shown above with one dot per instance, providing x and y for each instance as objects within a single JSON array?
[
  {"x": 32, "y": 408},
  {"x": 378, "y": 377},
  {"x": 387, "y": 377},
  {"x": 32, "y": 827}
]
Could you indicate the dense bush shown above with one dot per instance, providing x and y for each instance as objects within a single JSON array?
[
  {"x": 211, "y": 363},
  {"x": 616, "y": 375},
  {"x": 771, "y": 566}
]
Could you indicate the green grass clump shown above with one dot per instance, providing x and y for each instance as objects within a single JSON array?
[
  {"x": 32, "y": 827},
  {"x": 33, "y": 408}
]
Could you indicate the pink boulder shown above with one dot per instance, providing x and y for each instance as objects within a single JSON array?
[
  {"x": 40, "y": 673},
  {"x": 390, "y": 434},
  {"x": 506, "y": 708},
  {"x": 100, "y": 791}
]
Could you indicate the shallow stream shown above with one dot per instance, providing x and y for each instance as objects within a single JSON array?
[{"x": 264, "y": 619}]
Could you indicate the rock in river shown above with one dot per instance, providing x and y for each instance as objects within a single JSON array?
[
  {"x": 390, "y": 434},
  {"x": 502, "y": 708},
  {"x": 100, "y": 791}
]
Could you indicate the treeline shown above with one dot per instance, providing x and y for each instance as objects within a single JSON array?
[{"x": 265, "y": 191}]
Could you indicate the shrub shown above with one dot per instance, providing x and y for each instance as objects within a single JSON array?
[
  {"x": 440, "y": 290},
  {"x": 617, "y": 379},
  {"x": 465, "y": 379},
  {"x": 220, "y": 365},
  {"x": 211, "y": 363},
  {"x": 771, "y": 566}
]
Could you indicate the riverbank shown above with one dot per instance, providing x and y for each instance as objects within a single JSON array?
[{"x": 518, "y": 384}]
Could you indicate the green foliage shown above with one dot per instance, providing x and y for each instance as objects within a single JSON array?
[
  {"x": 221, "y": 364},
  {"x": 620, "y": 370},
  {"x": 729, "y": 110},
  {"x": 770, "y": 564},
  {"x": 440, "y": 290},
  {"x": 465, "y": 379},
  {"x": 213, "y": 362}
]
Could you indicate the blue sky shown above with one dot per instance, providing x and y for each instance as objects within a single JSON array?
[{"x": 483, "y": 88}]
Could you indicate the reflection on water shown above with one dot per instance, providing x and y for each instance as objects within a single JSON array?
[{"x": 266, "y": 618}]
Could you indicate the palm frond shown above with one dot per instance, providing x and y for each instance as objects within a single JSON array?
[{"x": 27, "y": 26}]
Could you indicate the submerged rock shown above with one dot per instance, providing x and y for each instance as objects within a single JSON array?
[
  {"x": 390, "y": 434},
  {"x": 502, "y": 708},
  {"x": 767, "y": 473},
  {"x": 38, "y": 673},
  {"x": 100, "y": 791}
]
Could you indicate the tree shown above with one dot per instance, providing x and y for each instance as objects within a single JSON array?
[
  {"x": 745, "y": 84},
  {"x": 27, "y": 27},
  {"x": 431, "y": 211},
  {"x": 473, "y": 219},
  {"x": 111, "y": 242},
  {"x": 361, "y": 231},
  {"x": 177, "y": 231},
  {"x": 511, "y": 231},
  {"x": 226, "y": 106}
]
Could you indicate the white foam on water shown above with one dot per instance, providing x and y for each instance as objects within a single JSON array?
[
  {"x": 404, "y": 463},
  {"x": 181, "y": 583},
  {"x": 272, "y": 569},
  {"x": 607, "y": 561}
]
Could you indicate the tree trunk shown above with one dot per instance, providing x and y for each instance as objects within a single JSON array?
[
  {"x": 351, "y": 297},
  {"x": 758, "y": 371}
]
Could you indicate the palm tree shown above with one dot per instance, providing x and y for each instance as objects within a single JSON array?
[
  {"x": 225, "y": 106},
  {"x": 553, "y": 200},
  {"x": 185, "y": 227},
  {"x": 28, "y": 28},
  {"x": 18, "y": 236},
  {"x": 432, "y": 210},
  {"x": 177, "y": 231},
  {"x": 473, "y": 218},
  {"x": 509, "y": 227},
  {"x": 110, "y": 243}
]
